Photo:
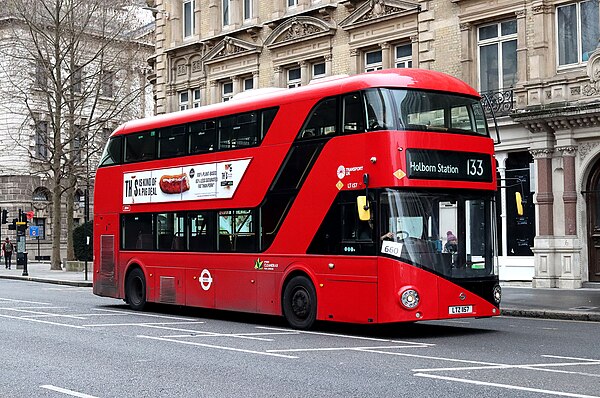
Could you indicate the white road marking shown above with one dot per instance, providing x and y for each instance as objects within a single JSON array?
[
  {"x": 216, "y": 347},
  {"x": 535, "y": 366},
  {"x": 22, "y": 301},
  {"x": 403, "y": 354},
  {"x": 32, "y": 308},
  {"x": 40, "y": 321},
  {"x": 573, "y": 358},
  {"x": 99, "y": 325},
  {"x": 346, "y": 348},
  {"x": 68, "y": 392},
  {"x": 240, "y": 335},
  {"x": 344, "y": 336},
  {"x": 38, "y": 313},
  {"x": 507, "y": 386},
  {"x": 143, "y": 314}
]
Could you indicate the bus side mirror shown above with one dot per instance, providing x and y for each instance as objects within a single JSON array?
[
  {"x": 364, "y": 212},
  {"x": 519, "y": 201}
]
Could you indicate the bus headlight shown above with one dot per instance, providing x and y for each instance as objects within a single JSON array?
[
  {"x": 409, "y": 298},
  {"x": 497, "y": 294}
]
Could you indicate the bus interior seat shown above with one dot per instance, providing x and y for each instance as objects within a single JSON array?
[
  {"x": 244, "y": 243},
  {"x": 178, "y": 243},
  {"x": 225, "y": 243},
  {"x": 144, "y": 242},
  {"x": 165, "y": 241},
  {"x": 200, "y": 243}
]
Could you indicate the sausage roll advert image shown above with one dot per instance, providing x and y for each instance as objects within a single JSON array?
[{"x": 172, "y": 184}]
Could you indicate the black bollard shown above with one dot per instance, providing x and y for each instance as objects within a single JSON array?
[{"x": 25, "y": 273}]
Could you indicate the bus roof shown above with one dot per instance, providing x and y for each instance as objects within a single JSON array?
[{"x": 398, "y": 78}]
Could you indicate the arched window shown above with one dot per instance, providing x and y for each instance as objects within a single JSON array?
[{"x": 41, "y": 194}]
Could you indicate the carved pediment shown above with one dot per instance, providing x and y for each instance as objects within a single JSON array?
[
  {"x": 376, "y": 10},
  {"x": 298, "y": 28},
  {"x": 229, "y": 47}
]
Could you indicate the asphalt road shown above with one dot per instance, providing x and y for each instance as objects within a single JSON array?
[{"x": 61, "y": 341}]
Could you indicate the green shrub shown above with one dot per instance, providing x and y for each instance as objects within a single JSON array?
[{"x": 83, "y": 252}]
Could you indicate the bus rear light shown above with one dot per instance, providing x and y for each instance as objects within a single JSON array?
[{"x": 409, "y": 298}]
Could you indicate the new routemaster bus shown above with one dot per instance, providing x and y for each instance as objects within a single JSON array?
[{"x": 363, "y": 199}]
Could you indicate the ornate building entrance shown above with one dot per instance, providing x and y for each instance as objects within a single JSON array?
[{"x": 592, "y": 198}]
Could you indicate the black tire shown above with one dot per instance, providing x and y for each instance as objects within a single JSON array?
[
  {"x": 135, "y": 289},
  {"x": 299, "y": 303}
]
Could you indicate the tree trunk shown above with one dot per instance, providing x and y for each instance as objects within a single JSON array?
[{"x": 70, "y": 195}]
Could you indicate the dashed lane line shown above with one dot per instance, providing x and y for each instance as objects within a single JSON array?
[
  {"x": 99, "y": 325},
  {"x": 41, "y": 321},
  {"x": 22, "y": 301},
  {"x": 348, "y": 348}
]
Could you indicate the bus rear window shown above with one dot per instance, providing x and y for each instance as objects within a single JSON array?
[{"x": 113, "y": 152}]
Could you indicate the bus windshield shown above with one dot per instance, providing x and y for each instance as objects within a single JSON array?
[
  {"x": 427, "y": 111},
  {"x": 447, "y": 233}
]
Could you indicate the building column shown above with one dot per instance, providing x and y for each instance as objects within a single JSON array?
[
  {"x": 304, "y": 72},
  {"x": 214, "y": 19},
  {"x": 501, "y": 159},
  {"x": 278, "y": 76},
  {"x": 569, "y": 192},
  {"x": 414, "y": 41},
  {"x": 386, "y": 56},
  {"x": 215, "y": 95},
  {"x": 546, "y": 273},
  {"x": 328, "y": 64},
  {"x": 521, "y": 46},
  {"x": 255, "y": 79},
  {"x": 466, "y": 53},
  {"x": 236, "y": 84},
  {"x": 354, "y": 61}
]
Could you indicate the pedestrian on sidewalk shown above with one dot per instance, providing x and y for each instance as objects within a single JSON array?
[{"x": 7, "y": 248}]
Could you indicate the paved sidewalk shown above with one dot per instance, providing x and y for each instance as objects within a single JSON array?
[
  {"x": 577, "y": 304},
  {"x": 40, "y": 272}
]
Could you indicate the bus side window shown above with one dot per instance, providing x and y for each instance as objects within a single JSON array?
[
  {"x": 203, "y": 136},
  {"x": 140, "y": 146},
  {"x": 322, "y": 120},
  {"x": 352, "y": 115},
  {"x": 136, "y": 231},
  {"x": 171, "y": 142}
]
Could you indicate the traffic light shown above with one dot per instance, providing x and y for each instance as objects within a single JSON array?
[{"x": 4, "y": 216}]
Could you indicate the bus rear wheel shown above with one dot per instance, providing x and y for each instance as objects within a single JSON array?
[
  {"x": 300, "y": 303},
  {"x": 135, "y": 289}
]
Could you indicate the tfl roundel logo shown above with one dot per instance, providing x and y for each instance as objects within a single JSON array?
[{"x": 341, "y": 172}]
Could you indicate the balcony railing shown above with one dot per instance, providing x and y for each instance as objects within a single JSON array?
[{"x": 499, "y": 102}]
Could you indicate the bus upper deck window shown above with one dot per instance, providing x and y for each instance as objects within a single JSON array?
[
  {"x": 113, "y": 152},
  {"x": 379, "y": 112},
  {"x": 140, "y": 146}
]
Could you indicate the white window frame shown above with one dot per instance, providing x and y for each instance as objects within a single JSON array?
[
  {"x": 294, "y": 82},
  {"x": 403, "y": 62},
  {"x": 498, "y": 40},
  {"x": 245, "y": 82},
  {"x": 318, "y": 75},
  {"x": 226, "y": 94},
  {"x": 226, "y": 12},
  {"x": 196, "y": 98},
  {"x": 191, "y": 20},
  {"x": 293, "y": 5},
  {"x": 580, "y": 61},
  {"x": 369, "y": 67},
  {"x": 184, "y": 100},
  {"x": 249, "y": 10}
]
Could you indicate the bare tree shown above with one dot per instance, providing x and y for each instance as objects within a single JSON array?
[{"x": 88, "y": 69}]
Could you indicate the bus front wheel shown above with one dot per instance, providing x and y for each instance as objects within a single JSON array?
[
  {"x": 300, "y": 302},
  {"x": 135, "y": 289}
]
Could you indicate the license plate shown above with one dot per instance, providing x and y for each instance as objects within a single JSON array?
[{"x": 460, "y": 309}]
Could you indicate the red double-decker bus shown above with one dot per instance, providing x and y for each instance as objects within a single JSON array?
[{"x": 364, "y": 199}]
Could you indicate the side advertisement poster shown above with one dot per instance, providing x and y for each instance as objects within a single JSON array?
[{"x": 191, "y": 182}]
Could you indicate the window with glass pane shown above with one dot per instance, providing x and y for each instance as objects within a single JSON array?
[
  {"x": 140, "y": 146},
  {"x": 318, "y": 70},
  {"x": 247, "y": 9},
  {"x": 41, "y": 139},
  {"x": 170, "y": 228},
  {"x": 578, "y": 30},
  {"x": 373, "y": 61},
  {"x": 203, "y": 136},
  {"x": 226, "y": 20},
  {"x": 227, "y": 91},
  {"x": 497, "y": 56},
  {"x": 294, "y": 78},
  {"x": 197, "y": 100},
  {"x": 184, "y": 99},
  {"x": 201, "y": 231},
  {"x": 188, "y": 18},
  {"x": 172, "y": 141},
  {"x": 248, "y": 84},
  {"x": 292, "y": 3},
  {"x": 136, "y": 232},
  {"x": 404, "y": 56},
  {"x": 237, "y": 231},
  {"x": 322, "y": 120}
]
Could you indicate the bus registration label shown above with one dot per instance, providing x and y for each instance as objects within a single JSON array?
[
  {"x": 391, "y": 248},
  {"x": 460, "y": 309}
]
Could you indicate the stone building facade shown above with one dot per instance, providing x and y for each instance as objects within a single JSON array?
[
  {"x": 536, "y": 62},
  {"x": 25, "y": 128}
]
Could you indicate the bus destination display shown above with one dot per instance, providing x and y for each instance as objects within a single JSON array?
[{"x": 448, "y": 165}]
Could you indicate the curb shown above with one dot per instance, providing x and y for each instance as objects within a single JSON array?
[
  {"x": 551, "y": 314},
  {"x": 44, "y": 280}
]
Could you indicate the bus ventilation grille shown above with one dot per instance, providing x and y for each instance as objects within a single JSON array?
[
  {"x": 107, "y": 255},
  {"x": 167, "y": 290}
]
